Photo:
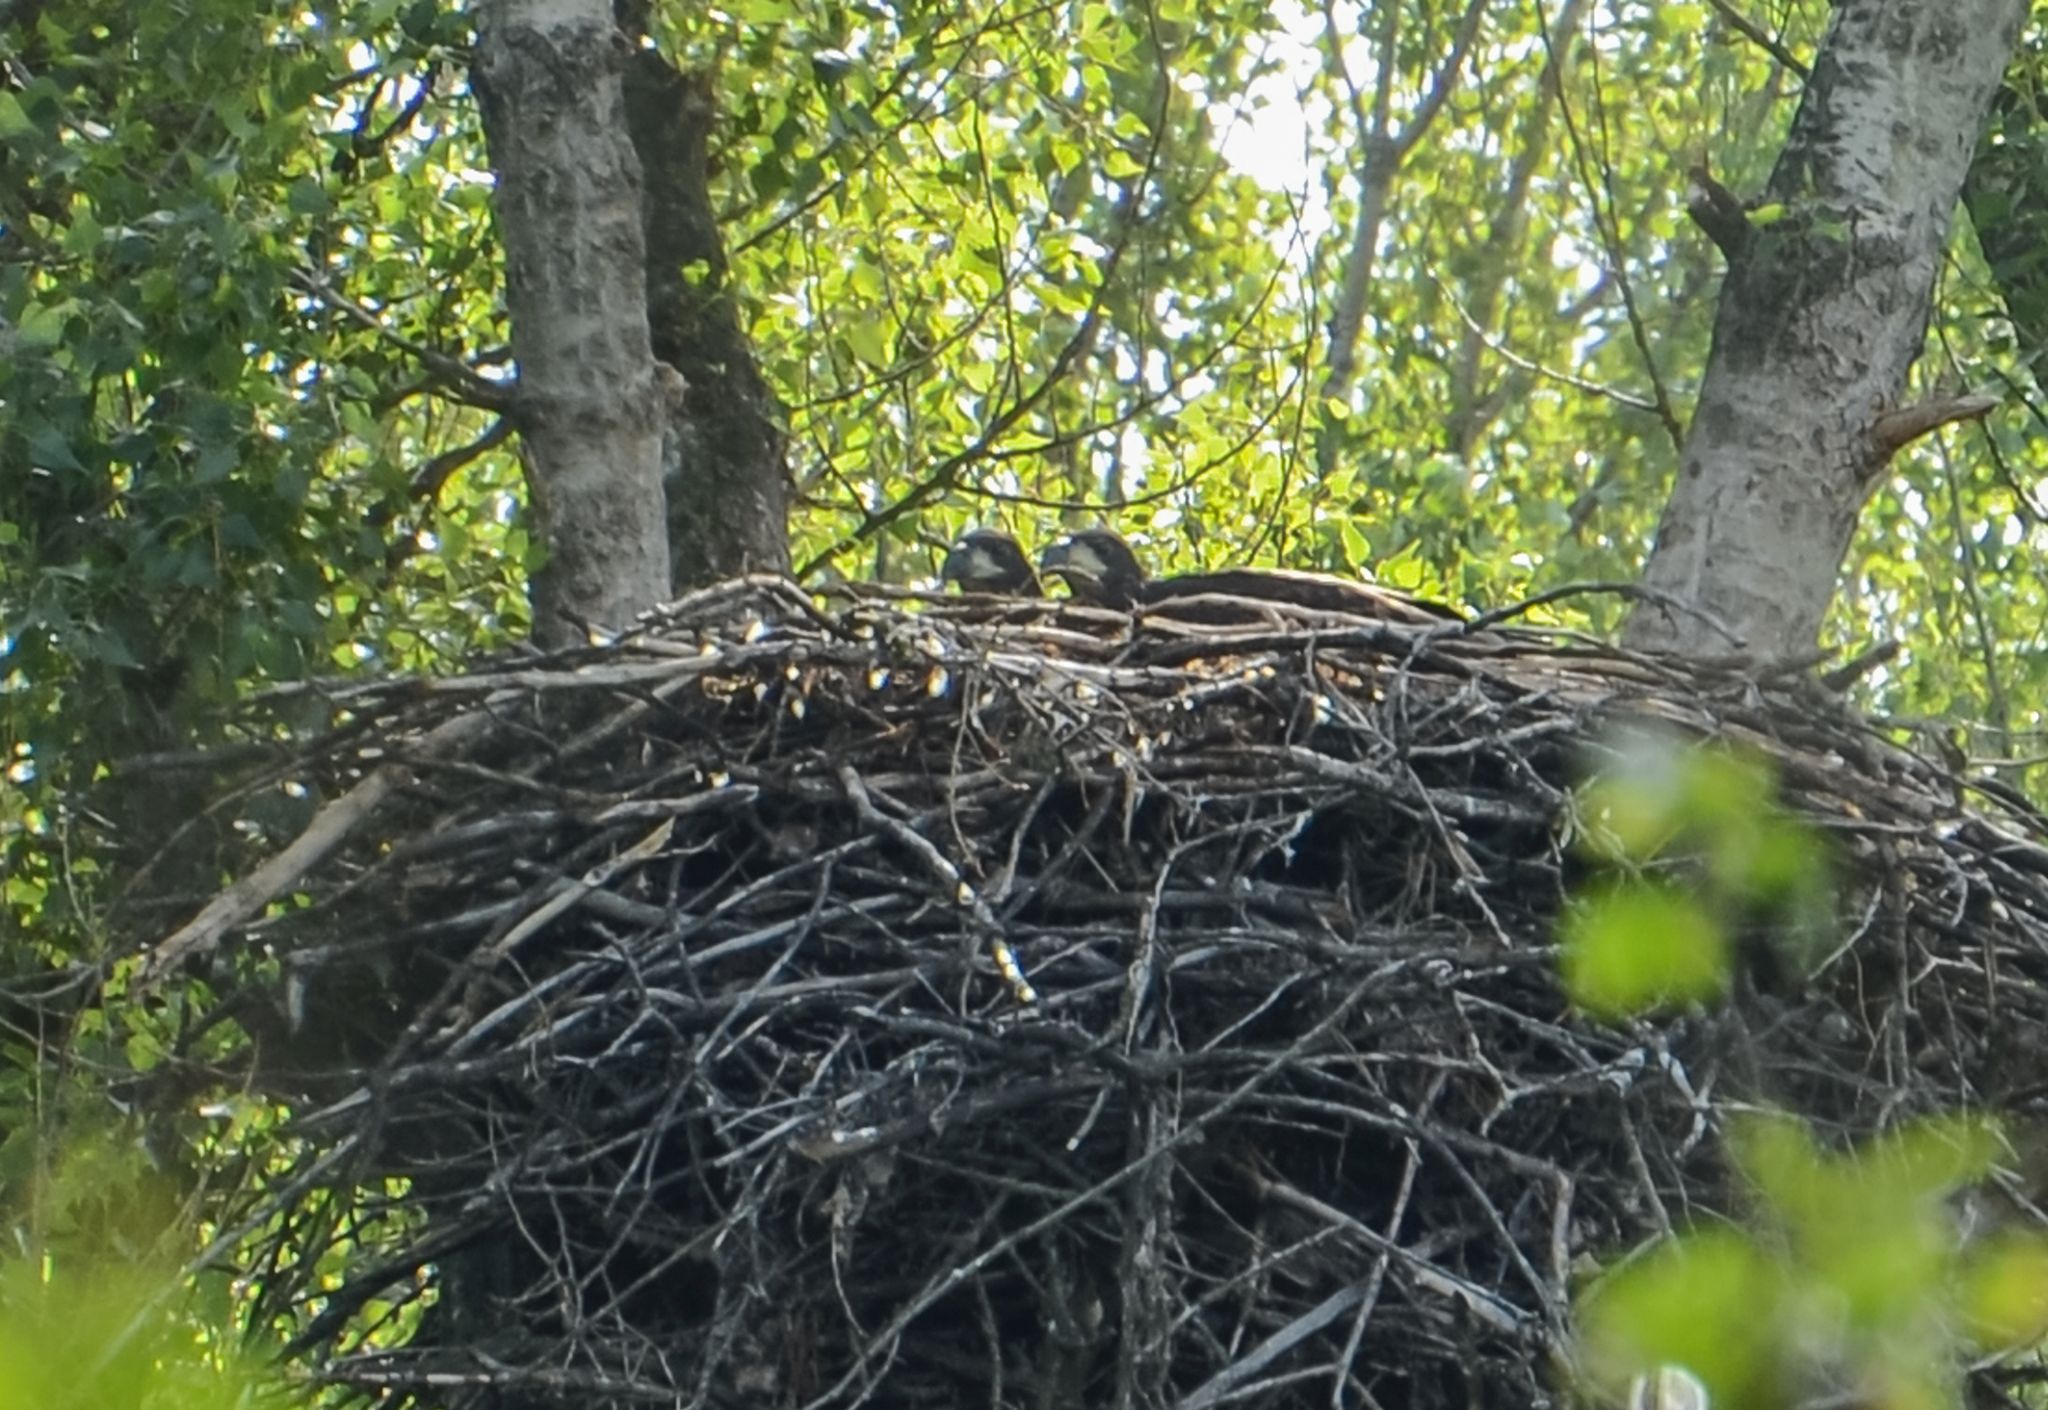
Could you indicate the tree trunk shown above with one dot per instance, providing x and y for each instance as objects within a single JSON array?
[
  {"x": 568, "y": 208},
  {"x": 723, "y": 457},
  {"x": 1823, "y": 311},
  {"x": 2003, "y": 196}
]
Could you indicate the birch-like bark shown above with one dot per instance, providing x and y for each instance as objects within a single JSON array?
[
  {"x": 568, "y": 210},
  {"x": 1822, "y": 313}
]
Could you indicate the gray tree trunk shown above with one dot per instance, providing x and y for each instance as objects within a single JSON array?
[
  {"x": 1823, "y": 311},
  {"x": 724, "y": 456},
  {"x": 589, "y": 405}
]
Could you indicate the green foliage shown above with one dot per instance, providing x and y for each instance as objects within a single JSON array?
[
  {"x": 93, "y": 1310},
  {"x": 98, "y": 1337},
  {"x": 1849, "y": 1273},
  {"x": 1849, "y": 1277},
  {"x": 1693, "y": 846},
  {"x": 1639, "y": 947},
  {"x": 199, "y": 469}
]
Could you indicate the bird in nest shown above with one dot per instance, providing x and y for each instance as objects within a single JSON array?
[
  {"x": 988, "y": 560},
  {"x": 1102, "y": 570}
]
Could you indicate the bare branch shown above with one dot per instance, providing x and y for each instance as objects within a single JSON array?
[
  {"x": 1751, "y": 31},
  {"x": 331, "y": 827},
  {"x": 1569, "y": 379},
  {"x": 1896, "y": 429},
  {"x": 455, "y": 376}
]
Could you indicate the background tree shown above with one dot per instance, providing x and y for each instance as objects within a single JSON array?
[
  {"x": 1823, "y": 312},
  {"x": 724, "y": 465}
]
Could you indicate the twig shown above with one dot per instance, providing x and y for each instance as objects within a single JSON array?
[
  {"x": 1551, "y": 374},
  {"x": 1755, "y": 34},
  {"x": 460, "y": 381}
]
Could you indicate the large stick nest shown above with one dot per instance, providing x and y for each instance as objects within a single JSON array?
[{"x": 675, "y": 984}]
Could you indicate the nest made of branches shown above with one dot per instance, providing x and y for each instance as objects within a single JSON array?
[{"x": 946, "y": 1004}]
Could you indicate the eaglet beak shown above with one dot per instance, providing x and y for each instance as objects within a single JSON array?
[
  {"x": 1073, "y": 560},
  {"x": 966, "y": 563}
]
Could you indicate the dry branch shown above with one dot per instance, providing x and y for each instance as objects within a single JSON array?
[
  {"x": 243, "y": 900},
  {"x": 1901, "y": 426}
]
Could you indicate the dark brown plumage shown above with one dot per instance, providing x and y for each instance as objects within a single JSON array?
[
  {"x": 1098, "y": 567},
  {"x": 1102, "y": 570},
  {"x": 987, "y": 560}
]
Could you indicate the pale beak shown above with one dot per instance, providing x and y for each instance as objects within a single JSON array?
[
  {"x": 1072, "y": 560},
  {"x": 965, "y": 564}
]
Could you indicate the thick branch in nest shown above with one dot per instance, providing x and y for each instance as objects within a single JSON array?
[{"x": 332, "y": 827}]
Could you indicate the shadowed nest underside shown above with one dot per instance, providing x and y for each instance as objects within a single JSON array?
[{"x": 679, "y": 985}]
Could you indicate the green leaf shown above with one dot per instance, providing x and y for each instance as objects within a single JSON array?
[
  {"x": 1121, "y": 164},
  {"x": 869, "y": 341},
  {"x": 84, "y": 234},
  {"x": 1634, "y": 948},
  {"x": 2006, "y": 1291},
  {"x": 306, "y": 197},
  {"x": 48, "y": 448},
  {"x": 1710, "y": 1303},
  {"x": 1357, "y": 552},
  {"x": 215, "y": 463},
  {"x": 13, "y": 121},
  {"x": 42, "y": 325}
]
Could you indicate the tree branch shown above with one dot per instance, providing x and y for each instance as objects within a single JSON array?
[
  {"x": 1717, "y": 211},
  {"x": 1605, "y": 225},
  {"x": 428, "y": 482},
  {"x": 1382, "y": 153},
  {"x": 460, "y": 381},
  {"x": 1749, "y": 30},
  {"x": 1896, "y": 429},
  {"x": 1515, "y": 359},
  {"x": 330, "y": 827},
  {"x": 1444, "y": 81}
]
